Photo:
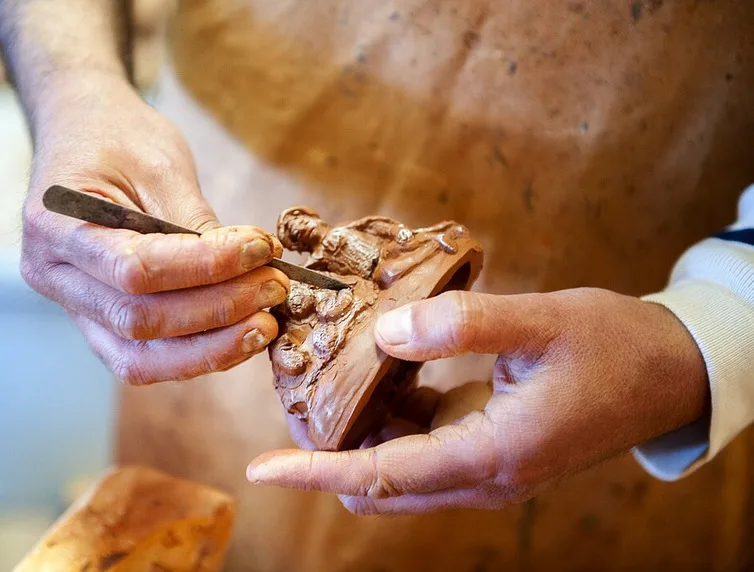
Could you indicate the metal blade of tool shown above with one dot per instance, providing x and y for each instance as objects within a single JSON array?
[{"x": 89, "y": 208}]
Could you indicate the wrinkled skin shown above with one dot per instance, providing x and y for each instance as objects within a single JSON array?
[
  {"x": 582, "y": 375},
  {"x": 153, "y": 307}
]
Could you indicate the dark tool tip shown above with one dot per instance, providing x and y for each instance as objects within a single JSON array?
[{"x": 306, "y": 275}]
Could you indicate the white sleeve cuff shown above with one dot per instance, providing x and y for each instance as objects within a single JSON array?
[{"x": 721, "y": 321}]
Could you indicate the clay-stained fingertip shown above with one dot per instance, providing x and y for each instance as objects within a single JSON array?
[{"x": 277, "y": 247}]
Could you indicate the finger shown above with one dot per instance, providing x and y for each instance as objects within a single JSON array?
[
  {"x": 166, "y": 314},
  {"x": 142, "y": 264},
  {"x": 147, "y": 263},
  {"x": 460, "y": 401},
  {"x": 461, "y": 455},
  {"x": 177, "y": 359},
  {"x": 460, "y": 322},
  {"x": 474, "y": 498}
]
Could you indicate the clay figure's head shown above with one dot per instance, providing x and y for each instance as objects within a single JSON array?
[{"x": 301, "y": 229}]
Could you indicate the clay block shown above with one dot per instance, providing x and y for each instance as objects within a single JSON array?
[
  {"x": 328, "y": 368},
  {"x": 137, "y": 519}
]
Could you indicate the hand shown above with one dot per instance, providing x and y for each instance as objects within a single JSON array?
[
  {"x": 582, "y": 375},
  {"x": 153, "y": 307}
]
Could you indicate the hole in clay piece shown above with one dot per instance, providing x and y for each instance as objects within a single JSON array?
[{"x": 459, "y": 280}]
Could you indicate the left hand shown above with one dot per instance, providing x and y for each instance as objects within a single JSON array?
[{"x": 582, "y": 375}]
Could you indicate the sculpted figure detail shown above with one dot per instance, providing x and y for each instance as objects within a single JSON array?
[
  {"x": 375, "y": 248},
  {"x": 328, "y": 369}
]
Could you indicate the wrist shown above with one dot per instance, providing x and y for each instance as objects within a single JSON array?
[{"x": 685, "y": 363}]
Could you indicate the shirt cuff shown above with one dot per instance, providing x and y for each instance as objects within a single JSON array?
[{"x": 722, "y": 324}]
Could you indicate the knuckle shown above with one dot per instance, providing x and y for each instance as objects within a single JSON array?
[
  {"x": 382, "y": 488},
  {"x": 129, "y": 372},
  {"x": 554, "y": 308},
  {"x": 488, "y": 463},
  {"x": 360, "y": 506},
  {"x": 462, "y": 315},
  {"x": 211, "y": 362},
  {"x": 129, "y": 318},
  {"x": 200, "y": 218},
  {"x": 130, "y": 274},
  {"x": 383, "y": 485},
  {"x": 211, "y": 365},
  {"x": 222, "y": 237},
  {"x": 226, "y": 311},
  {"x": 551, "y": 332},
  {"x": 160, "y": 163}
]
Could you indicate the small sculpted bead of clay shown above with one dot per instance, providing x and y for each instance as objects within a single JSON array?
[
  {"x": 329, "y": 371},
  {"x": 333, "y": 305},
  {"x": 325, "y": 340},
  {"x": 289, "y": 358}
]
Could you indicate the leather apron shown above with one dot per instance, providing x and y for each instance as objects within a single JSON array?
[{"x": 584, "y": 143}]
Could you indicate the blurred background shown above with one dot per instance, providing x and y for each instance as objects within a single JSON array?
[{"x": 57, "y": 405}]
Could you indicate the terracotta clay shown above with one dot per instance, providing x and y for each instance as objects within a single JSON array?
[{"x": 328, "y": 368}]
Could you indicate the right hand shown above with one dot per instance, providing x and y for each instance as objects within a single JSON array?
[{"x": 152, "y": 307}]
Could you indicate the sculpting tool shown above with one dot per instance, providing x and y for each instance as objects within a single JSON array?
[{"x": 89, "y": 208}]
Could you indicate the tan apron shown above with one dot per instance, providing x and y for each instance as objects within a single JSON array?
[{"x": 584, "y": 143}]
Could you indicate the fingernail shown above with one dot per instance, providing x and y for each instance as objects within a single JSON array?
[
  {"x": 254, "y": 341},
  {"x": 254, "y": 473},
  {"x": 270, "y": 294},
  {"x": 395, "y": 326},
  {"x": 255, "y": 253}
]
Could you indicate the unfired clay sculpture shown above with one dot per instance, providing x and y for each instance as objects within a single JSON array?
[{"x": 328, "y": 368}]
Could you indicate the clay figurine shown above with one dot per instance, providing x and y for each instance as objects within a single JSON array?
[{"x": 328, "y": 368}]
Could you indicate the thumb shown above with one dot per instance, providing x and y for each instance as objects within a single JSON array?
[
  {"x": 459, "y": 322},
  {"x": 195, "y": 213},
  {"x": 180, "y": 201}
]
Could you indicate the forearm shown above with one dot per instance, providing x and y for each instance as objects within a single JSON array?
[{"x": 43, "y": 40}]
